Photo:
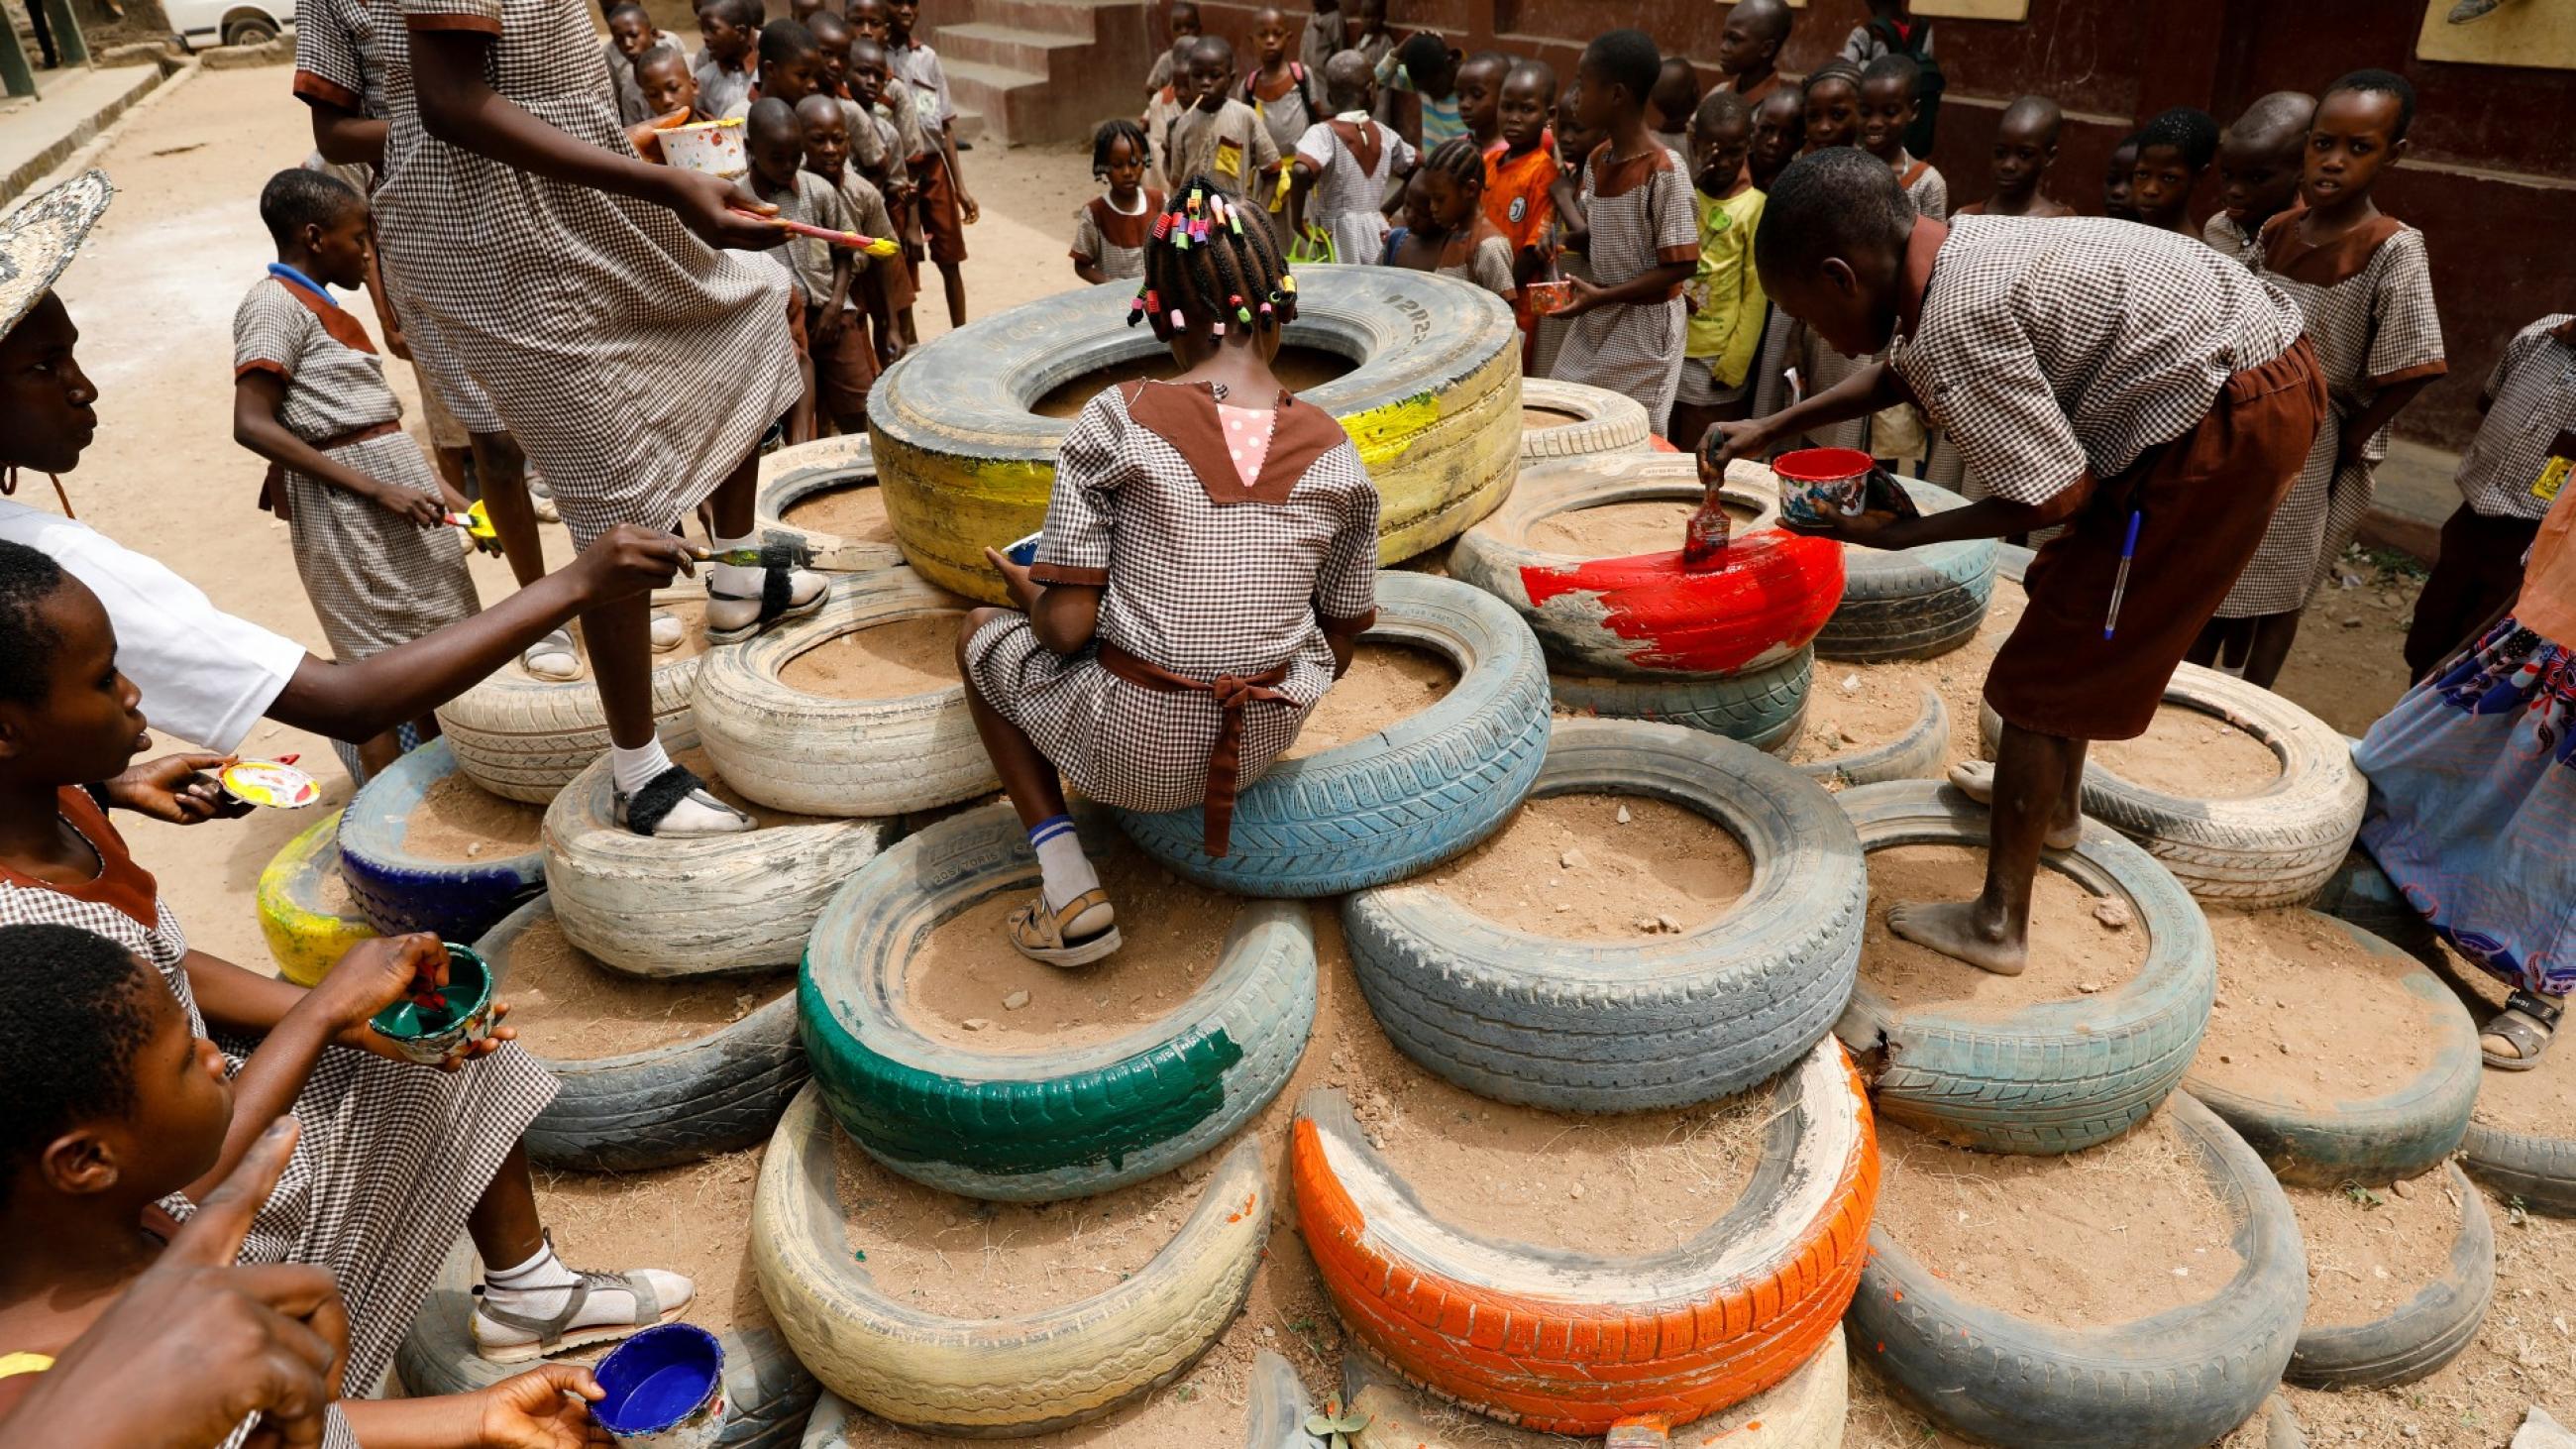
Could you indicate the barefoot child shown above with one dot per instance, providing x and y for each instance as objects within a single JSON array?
[
  {"x": 2365, "y": 284},
  {"x": 726, "y": 69},
  {"x": 1625, "y": 324},
  {"x": 1748, "y": 49},
  {"x": 1886, "y": 114},
  {"x": 2118, "y": 178},
  {"x": 1208, "y": 564},
  {"x": 1109, "y": 230},
  {"x": 2025, "y": 147},
  {"x": 845, "y": 359},
  {"x": 1675, "y": 100},
  {"x": 1219, "y": 137},
  {"x": 365, "y": 514},
  {"x": 2259, "y": 163},
  {"x": 120, "y": 1103},
  {"x": 1281, "y": 93},
  {"x": 1520, "y": 177},
  {"x": 1344, "y": 167},
  {"x": 396, "y": 1158},
  {"x": 943, "y": 207},
  {"x": 1725, "y": 294},
  {"x": 2174, "y": 152},
  {"x": 2094, "y": 373}
]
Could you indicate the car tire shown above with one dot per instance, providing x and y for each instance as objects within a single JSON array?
[
  {"x": 1918, "y": 753},
  {"x": 2053, "y": 1076},
  {"x": 1764, "y": 708},
  {"x": 2538, "y": 1172},
  {"x": 398, "y": 891},
  {"x": 2427, "y": 1330},
  {"x": 1914, "y": 603},
  {"x": 1404, "y": 799},
  {"x": 1602, "y": 421},
  {"x": 1433, "y": 407},
  {"x": 306, "y": 935},
  {"x": 1627, "y": 1026},
  {"x": 793, "y": 474},
  {"x": 524, "y": 738}
]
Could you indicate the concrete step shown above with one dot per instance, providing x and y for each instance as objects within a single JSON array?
[
  {"x": 970, "y": 124},
  {"x": 1010, "y": 47},
  {"x": 987, "y": 90},
  {"x": 1070, "y": 17}
]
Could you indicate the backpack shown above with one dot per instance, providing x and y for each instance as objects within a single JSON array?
[
  {"x": 1927, "y": 89},
  {"x": 1296, "y": 71}
]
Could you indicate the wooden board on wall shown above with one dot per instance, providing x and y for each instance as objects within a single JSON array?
[
  {"x": 2015, "y": 10},
  {"x": 2520, "y": 32}
]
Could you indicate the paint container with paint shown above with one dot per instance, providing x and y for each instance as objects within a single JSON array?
[
  {"x": 433, "y": 1026},
  {"x": 276, "y": 784},
  {"x": 1819, "y": 486},
  {"x": 714, "y": 147},
  {"x": 664, "y": 1389}
]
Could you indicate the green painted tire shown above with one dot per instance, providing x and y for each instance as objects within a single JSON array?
[{"x": 1037, "y": 1126}]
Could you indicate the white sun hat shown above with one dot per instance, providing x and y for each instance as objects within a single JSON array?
[{"x": 39, "y": 237}]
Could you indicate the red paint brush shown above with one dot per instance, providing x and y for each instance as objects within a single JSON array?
[
  {"x": 1704, "y": 539},
  {"x": 875, "y": 246}
]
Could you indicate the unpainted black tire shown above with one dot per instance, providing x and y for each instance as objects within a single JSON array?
[
  {"x": 2537, "y": 1171},
  {"x": 666, "y": 1105},
  {"x": 793, "y": 474},
  {"x": 1913, "y": 603},
  {"x": 1433, "y": 407},
  {"x": 2177, "y": 1380},
  {"x": 2377, "y": 1140},
  {"x": 1607, "y": 422},
  {"x": 1764, "y": 708},
  {"x": 1916, "y": 754},
  {"x": 2427, "y": 1330},
  {"x": 1658, "y": 1021},
  {"x": 2053, "y": 1076},
  {"x": 398, "y": 891}
]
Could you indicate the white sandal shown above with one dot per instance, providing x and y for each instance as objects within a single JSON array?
[
  {"x": 668, "y": 631},
  {"x": 564, "y": 662}
]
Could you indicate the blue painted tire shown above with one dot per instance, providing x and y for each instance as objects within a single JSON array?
[
  {"x": 398, "y": 891},
  {"x": 1404, "y": 799},
  {"x": 1036, "y": 1126}
]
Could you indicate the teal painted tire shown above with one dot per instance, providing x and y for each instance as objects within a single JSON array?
[
  {"x": 1036, "y": 1126},
  {"x": 1404, "y": 799},
  {"x": 1764, "y": 708}
]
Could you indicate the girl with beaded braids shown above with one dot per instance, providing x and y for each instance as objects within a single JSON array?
[{"x": 1208, "y": 563}]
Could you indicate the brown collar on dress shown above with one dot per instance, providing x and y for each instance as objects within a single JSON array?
[
  {"x": 344, "y": 329},
  {"x": 1362, "y": 141},
  {"x": 1462, "y": 243},
  {"x": 1184, "y": 415},
  {"x": 1121, "y": 230},
  {"x": 120, "y": 885},
  {"x": 2323, "y": 266},
  {"x": 1617, "y": 177},
  {"x": 1922, "y": 249}
]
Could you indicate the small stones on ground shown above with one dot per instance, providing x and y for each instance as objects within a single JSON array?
[
  {"x": 1843, "y": 735},
  {"x": 2113, "y": 912},
  {"x": 1572, "y": 859},
  {"x": 1667, "y": 923},
  {"x": 1575, "y": 1192},
  {"x": 1646, "y": 924},
  {"x": 1623, "y": 814},
  {"x": 1015, "y": 1001},
  {"x": 2088, "y": 987},
  {"x": 976, "y": 1023},
  {"x": 1851, "y": 684},
  {"x": 473, "y": 848}
]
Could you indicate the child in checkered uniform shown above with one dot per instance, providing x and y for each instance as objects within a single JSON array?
[{"x": 1208, "y": 564}]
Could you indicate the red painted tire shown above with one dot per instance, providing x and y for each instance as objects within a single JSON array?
[
  {"x": 1643, "y": 617},
  {"x": 1574, "y": 1343}
]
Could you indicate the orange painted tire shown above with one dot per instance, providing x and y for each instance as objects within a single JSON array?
[{"x": 1574, "y": 1343}]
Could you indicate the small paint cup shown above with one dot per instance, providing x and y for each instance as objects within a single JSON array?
[
  {"x": 1546, "y": 299},
  {"x": 714, "y": 147},
  {"x": 664, "y": 1389},
  {"x": 431, "y": 1035},
  {"x": 273, "y": 783},
  {"x": 1820, "y": 485}
]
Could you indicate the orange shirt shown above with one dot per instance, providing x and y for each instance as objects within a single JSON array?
[{"x": 1516, "y": 193}]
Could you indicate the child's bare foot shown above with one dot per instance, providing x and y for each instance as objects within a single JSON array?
[
  {"x": 1976, "y": 780},
  {"x": 1951, "y": 928}
]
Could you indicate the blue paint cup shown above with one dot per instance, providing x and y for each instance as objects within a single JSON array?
[{"x": 665, "y": 1389}]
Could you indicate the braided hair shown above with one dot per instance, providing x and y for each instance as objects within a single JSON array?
[
  {"x": 1461, "y": 160},
  {"x": 1210, "y": 261},
  {"x": 1110, "y": 133}
]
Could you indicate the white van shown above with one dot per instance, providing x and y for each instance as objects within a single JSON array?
[{"x": 202, "y": 23}]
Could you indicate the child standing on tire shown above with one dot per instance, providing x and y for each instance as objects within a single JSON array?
[{"x": 1208, "y": 564}]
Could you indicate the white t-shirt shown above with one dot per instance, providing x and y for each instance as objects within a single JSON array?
[{"x": 206, "y": 676}]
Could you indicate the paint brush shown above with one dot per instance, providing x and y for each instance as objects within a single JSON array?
[
  {"x": 1704, "y": 541},
  {"x": 875, "y": 246}
]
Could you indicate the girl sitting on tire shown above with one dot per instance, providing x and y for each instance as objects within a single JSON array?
[{"x": 1207, "y": 567}]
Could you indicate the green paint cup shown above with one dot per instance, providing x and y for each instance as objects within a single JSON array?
[{"x": 432, "y": 1035}]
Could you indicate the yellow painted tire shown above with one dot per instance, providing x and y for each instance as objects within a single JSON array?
[
  {"x": 792, "y": 475},
  {"x": 995, "y": 1377},
  {"x": 1434, "y": 407},
  {"x": 304, "y": 934}
]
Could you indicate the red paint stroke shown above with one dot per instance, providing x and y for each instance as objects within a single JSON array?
[{"x": 1769, "y": 595}]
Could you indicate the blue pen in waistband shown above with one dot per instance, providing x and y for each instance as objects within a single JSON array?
[{"x": 2120, "y": 580}]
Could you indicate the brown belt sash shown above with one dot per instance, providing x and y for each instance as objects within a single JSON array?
[
  {"x": 1225, "y": 759},
  {"x": 272, "y": 486}
]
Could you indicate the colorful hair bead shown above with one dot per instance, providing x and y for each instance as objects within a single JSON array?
[
  {"x": 1288, "y": 284},
  {"x": 1179, "y": 322},
  {"x": 1162, "y": 226},
  {"x": 1194, "y": 201},
  {"x": 1181, "y": 239},
  {"x": 1265, "y": 309},
  {"x": 1216, "y": 329}
]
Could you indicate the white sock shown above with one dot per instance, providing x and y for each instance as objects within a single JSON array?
[
  {"x": 637, "y": 768},
  {"x": 1064, "y": 871},
  {"x": 741, "y": 580},
  {"x": 536, "y": 1286}
]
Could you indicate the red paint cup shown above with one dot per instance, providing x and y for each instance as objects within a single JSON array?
[{"x": 1820, "y": 485}]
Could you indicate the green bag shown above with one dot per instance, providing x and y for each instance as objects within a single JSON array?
[{"x": 1313, "y": 247}]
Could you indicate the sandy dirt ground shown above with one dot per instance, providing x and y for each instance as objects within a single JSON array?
[{"x": 154, "y": 295}]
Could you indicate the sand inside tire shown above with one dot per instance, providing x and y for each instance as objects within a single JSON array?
[
  {"x": 1386, "y": 684},
  {"x": 2193, "y": 755},
  {"x": 2111, "y": 1234},
  {"x": 2304, "y": 1015},
  {"x": 894, "y": 660},
  {"x": 2073, "y": 951},
  {"x": 1599, "y": 867},
  {"x": 854, "y": 511},
  {"x": 569, "y": 1007},
  {"x": 2371, "y": 1249},
  {"x": 1853, "y": 708},
  {"x": 459, "y": 821},
  {"x": 1621, "y": 530},
  {"x": 1535, "y": 419}
]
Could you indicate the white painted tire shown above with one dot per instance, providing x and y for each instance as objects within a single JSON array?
[
  {"x": 705, "y": 906},
  {"x": 2277, "y": 847},
  {"x": 524, "y": 738},
  {"x": 1604, "y": 421},
  {"x": 791, "y": 475},
  {"x": 818, "y": 755},
  {"x": 993, "y": 1378}
]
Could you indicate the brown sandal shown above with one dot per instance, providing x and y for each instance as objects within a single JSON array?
[{"x": 1047, "y": 935}]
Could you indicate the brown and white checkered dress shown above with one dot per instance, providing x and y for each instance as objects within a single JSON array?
[
  {"x": 2232, "y": 241},
  {"x": 1641, "y": 217},
  {"x": 1482, "y": 255},
  {"x": 376, "y": 580},
  {"x": 393, "y": 1156},
  {"x": 2368, "y": 298},
  {"x": 636, "y": 365},
  {"x": 1352, "y": 157},
  {"x": 2531, "y": 398},
  {"x": 1205, "y": 575},
  {"x": 1113, "y": 240},
  {"x": 344, "y": 49}
]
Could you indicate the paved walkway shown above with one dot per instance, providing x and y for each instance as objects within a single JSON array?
[{"x": 70, "y": 107}]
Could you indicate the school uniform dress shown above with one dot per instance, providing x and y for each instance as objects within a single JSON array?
[
  {"x": 1225, "y": 555},
  {"x": 1641, "y": 217},
  {"x": 1754, "y": 94},
  {"x": 2142, "y": 367},
  {"x": 1480, "y": 254},
  {"x": 1353, "y": 160},
  {"x": 637, "y": 365},
  {"x": 2515, "y": 468},
  {"x": 1161, "y": 111},
  {"x": 344, "y": 49},
  {"x": 376, "y": 580},
  {"x": 942, "y": 212},
  {"x": 1717, "y": 354},
  {"x": 2234, "y": 242},
  {"x": 1286, "y": 110},
  {"x": 1924, "y": 185},
  {"x": 2368, "y": 299},
  {"x": 1114, "y": 240},
  {"x": 1229, "y": 146},
  {"x": 393, "y": 1155}
]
